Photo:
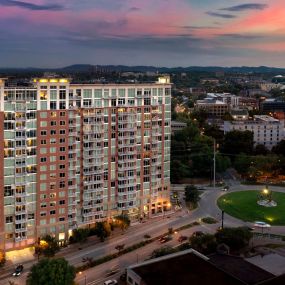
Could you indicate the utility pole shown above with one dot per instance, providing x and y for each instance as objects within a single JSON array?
[
  {"x": 223, "y": 212},
  {"x": 214, "y": 176}
]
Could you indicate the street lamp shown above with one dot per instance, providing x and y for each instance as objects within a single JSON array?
[
  {"x": 223, "y": 212},
  {"x": 85, "y": 280}
]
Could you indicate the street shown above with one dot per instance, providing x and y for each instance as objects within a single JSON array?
[{"x": 153, "y": 227}]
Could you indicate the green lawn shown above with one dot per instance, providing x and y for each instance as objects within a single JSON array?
[{"x": 243, "y": 205}]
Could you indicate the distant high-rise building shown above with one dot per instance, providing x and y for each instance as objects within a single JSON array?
[{"x": 75, "y": 154}]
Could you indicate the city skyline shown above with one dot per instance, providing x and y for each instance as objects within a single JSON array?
[{"x": 163, "y": 33}]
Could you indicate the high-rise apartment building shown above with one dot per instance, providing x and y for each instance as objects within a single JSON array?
[{"x": 75, "y": 154}]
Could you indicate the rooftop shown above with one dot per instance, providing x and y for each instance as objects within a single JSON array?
[{"x": 189, "y": 267}]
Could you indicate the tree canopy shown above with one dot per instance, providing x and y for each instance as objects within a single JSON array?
[
  {"x": 52, "y": 272},
  {"x": 236, "y": 142},
  {"x": 235, "y": 238}
]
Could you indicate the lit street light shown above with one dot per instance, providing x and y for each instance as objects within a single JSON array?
[{"x": 85, "y": 281}]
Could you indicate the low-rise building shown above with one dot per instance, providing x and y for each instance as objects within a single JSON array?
[
  {"x": 177, "y": 126},
  {"x": 273, "y": 105},
  {"x": 214, "y": 108},
  {"x": 192, "y": 267},
  {"x": 266, "y": 130},
  {"x": 239, "y": 114}
]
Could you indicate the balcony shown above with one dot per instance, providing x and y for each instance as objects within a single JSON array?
[
  {"x": 21, "y": 230},
  {"x": 92, "y": 214},
  {"x": 24, "y": 220},
  {"x": 18, "y": 239},
  {"x": 20, "y": 195}
]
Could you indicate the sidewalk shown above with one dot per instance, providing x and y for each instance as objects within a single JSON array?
[{"x": 91, "y": 242}]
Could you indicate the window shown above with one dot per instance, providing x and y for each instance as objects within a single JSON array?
[
  {"x": 62, "y": 105},
  {"x": 52, "y": 150},
  {"x": 62, "y": 94},
  {"x": 53, "y": 123},
  {"x": 62, "y": 132},
  {"x": 43, "y": 133},
  {"x": 62, "y": 123},
  {"x": 43, "y": 115},
  {"x": 53, "y": 132},
  {"x": 52, "y": 105},
  {"x": 62, "y": 157},
  {"x": 9, "y": 219},
  {"x": 43, "y": 142},
  {"x": 61, "y": 202},
  {"x": 52, "y": 212},
  {"x": 43, "y": 159},
  {"x": 62, "y": 114}
]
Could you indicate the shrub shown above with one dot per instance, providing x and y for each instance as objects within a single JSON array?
[{"x": 209, "y": 220}]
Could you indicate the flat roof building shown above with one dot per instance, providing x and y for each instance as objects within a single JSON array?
[
  {"x": 75, "y": 154},
  {"x": 266, "y": 130}
]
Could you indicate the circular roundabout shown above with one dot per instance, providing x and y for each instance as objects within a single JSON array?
[{"x": 246, "y": 206}]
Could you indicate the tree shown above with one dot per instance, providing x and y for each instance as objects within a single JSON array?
[
  {"x": 103, "y": 230},
  {"x": 215, "y": 132},
  {"x": 204, "y": 243},
  {"x": 260, "y": 149},
  {"x": 48, "y": 246},
  {"x": 242, "y": 163},
  {"x": 123, "y": 221},
  {"x": 279, "y": 148},
  {"x": 162, "y": 251},
  {"x": 120, "y": 247},
  {"x": 80, "y": 235},
  {"x": 222, "y": 163},
  {"x": 2, "y": 258},
  {"x": 191, "y": 194},
  {"x": 237, "y": 142},
  {"x": 235, "y": 238},
  {"x": 52, "y": 272}
]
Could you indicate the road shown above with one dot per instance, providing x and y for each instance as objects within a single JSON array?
[{"x": 153, "y": 227}]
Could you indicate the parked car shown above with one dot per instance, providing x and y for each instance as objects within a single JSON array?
[
  {"x": 182, "y": 238},
  {"x": 261, "y": 224},
  {"x": 111, "y": 282},
  {"x": 18, "y": 270}
]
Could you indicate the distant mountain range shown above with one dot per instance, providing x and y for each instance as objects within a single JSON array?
[{"x": 123, "y": 68}]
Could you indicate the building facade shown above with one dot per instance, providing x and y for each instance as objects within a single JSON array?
[
  {"x": 75, "y": 154},
  {"x": 266, "y": 130},
  {"x": 214, "y": 108}
]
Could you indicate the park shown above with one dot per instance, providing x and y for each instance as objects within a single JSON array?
[{"x": 243, "y": 205}]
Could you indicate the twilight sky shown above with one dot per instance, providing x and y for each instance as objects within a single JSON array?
[{"x": 56, "y": 33}]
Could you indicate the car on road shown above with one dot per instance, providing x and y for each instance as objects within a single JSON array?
[
  {"x": 182, "y": 238},
  {"x": 18, "y": 270},
  {"x": 226, "y": 188},
  {"x": 197, "y": 234},
  {"x": 164, "y": 239},
  {"x": 201, "y": 188},
  {"x": 111, "y": 282},
  {"x": 261, "y": 224},
  {"x": 113, "y": 271}
]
